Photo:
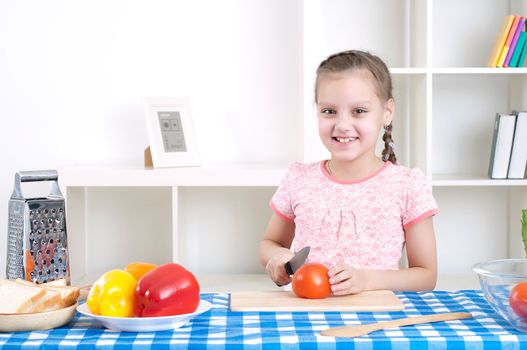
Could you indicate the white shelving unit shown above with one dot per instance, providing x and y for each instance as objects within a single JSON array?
[{"x": 211, "y": 218}]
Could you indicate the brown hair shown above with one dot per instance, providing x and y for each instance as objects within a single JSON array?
[{"x": 356, "y": 59}]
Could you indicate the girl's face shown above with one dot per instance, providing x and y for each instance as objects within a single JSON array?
[{"x": 351, "y": 114}]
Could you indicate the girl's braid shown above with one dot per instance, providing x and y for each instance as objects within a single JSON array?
[{"x": 388, "y": 153}]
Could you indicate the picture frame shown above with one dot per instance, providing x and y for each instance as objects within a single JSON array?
[{"x": 170, "y": 132}]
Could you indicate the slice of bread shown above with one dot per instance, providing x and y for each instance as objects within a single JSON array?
[
  {"x": 16, "y": 298},
  {"x": 68, "y": 294},
  {"x": 51, "y": 301},
  {"x": 59, "y": 282}
]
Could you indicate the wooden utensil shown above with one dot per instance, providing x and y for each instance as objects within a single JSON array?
[{"x": 356, "y": 331}]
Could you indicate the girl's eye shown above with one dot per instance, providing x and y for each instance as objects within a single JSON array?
[
  {"x": 360, "y": 110},
  {"x": 328, "y": 111}
]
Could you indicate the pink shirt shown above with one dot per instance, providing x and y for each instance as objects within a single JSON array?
[{"x": 361, "y": 222}]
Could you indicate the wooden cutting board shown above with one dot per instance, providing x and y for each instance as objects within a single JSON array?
[{"x": 378, "y": 300}]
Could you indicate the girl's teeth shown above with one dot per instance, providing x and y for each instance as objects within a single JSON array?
[{"x": 345, "y": 139}]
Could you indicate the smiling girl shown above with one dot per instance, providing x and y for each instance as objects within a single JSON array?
[{"x": 356, "y": 210}]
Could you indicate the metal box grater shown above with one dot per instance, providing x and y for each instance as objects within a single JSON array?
[{"x": 37, "y": 247}]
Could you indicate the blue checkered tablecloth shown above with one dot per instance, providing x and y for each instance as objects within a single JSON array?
[{"x": 220, "y": 328}]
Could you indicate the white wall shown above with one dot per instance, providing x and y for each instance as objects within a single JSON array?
[{"x": 72, "y": 74}]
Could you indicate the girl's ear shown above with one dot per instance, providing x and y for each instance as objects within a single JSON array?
[{"x": 389, "y": 109}]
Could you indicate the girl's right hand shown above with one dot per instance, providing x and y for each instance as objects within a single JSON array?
[{"x": 276, "y": 268}]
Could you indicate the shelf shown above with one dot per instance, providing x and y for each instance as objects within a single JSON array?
[
  {"x": 478, "y": 70},
  {"x": 408, "y": 71},
  {"x": 223, "y": 176},
  {"x": 231, "y": 283},
  {"x": 225, "y": 283},
  {"x": 241, "y": 176},
  {"x": 459, "y": 71},
  {"x": 469, "y": 180},
  {"x": 219, "y": 283},
  {"x": 457, "y": 282},
  {"x": 238, "y": 175}
]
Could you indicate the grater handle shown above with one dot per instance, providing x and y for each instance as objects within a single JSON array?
[{"x": 37, "y": 175}]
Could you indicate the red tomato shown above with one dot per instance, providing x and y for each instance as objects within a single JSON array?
[
  {"x": 518, "y": 299},
  {"x": 311, "y": 281}
]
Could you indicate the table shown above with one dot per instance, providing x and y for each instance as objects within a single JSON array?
[{"x": 219, "y": 329}]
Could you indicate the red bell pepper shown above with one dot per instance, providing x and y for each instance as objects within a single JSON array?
[{"x": 167, "y": 290}]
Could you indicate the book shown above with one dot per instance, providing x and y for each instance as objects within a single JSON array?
[
  {"x": 518, "y": 50},
  {"x": 522, "y": 55},
  {"x": 518, "y": 160},
  {"x": 508, "y": 42},
  {"x": 515, "y": 38},
  {"x": 501, "y": 145},
  {"x": 500, "y": 41}
]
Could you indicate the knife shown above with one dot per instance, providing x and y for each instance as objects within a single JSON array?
[{"x": 296, "y": 261}]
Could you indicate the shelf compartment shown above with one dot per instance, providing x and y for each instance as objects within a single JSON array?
[
  {"x": 409, "y": 124},
  {"x": 463, "y": 223},
  {"x": 209, "y": 230},
  {"x": 463, "y": 32},
  {"x": 220, "y": 228},
  {"x": 111, "y": 227},
  {"x": 464, "y": 109},
  {"x": 396, "y": 29}
]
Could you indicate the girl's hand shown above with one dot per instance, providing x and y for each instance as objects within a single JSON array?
[
  {"x": 345, "y": 279},
  {"x": 276, "y": 270}
]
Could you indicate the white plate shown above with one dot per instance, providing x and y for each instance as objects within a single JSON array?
[
  {"x": 36, "y": 321},
  {"x": 145, "y": 324}
]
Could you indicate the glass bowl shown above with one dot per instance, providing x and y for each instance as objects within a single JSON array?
[{"x": 497, "y": 278}]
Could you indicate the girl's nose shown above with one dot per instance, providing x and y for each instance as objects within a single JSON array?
[{"x": 342, "y": 123}]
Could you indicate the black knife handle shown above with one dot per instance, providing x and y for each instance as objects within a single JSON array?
[{"x": 288, "y": 268}]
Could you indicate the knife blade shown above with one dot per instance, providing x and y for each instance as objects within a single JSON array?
[{"x": 296, "y": 261}]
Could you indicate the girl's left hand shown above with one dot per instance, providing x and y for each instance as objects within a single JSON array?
[{"x": 345, "y": 279}]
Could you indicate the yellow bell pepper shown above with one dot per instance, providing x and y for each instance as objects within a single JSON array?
[{"x": 113, "y": 294}]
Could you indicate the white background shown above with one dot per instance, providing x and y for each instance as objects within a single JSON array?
[{"x": 72, "y": 75}]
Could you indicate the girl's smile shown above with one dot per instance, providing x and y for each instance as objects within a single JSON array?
[
  {"x": 341, "y": 139},
  {"x": 343, "y": 142}
]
